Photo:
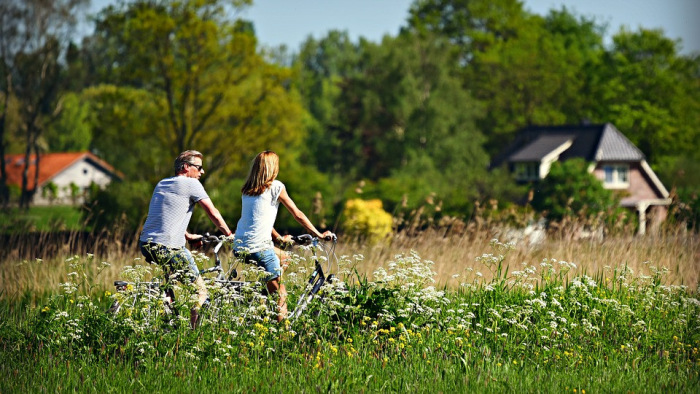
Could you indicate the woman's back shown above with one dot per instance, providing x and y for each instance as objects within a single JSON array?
[{"x": 258, "y": 216}]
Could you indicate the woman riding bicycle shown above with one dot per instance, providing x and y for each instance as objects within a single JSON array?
[{"x": 262, "y": 194}]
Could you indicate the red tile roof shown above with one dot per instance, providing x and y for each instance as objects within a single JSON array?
[{"x": 50, "y": 165}]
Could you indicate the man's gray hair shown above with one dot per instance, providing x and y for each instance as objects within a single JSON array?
[{"x": 185, "y": 157}]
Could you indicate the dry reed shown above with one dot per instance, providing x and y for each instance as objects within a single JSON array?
[
  {"x": 455, "y": 255},
  {"x": 451, "y": 254}
]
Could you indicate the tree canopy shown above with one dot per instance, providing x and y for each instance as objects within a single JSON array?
[{"x": 412, "y": 118}]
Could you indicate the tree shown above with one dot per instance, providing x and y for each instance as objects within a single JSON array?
[
  {"x": 322, "y": 68},
  {"x": 33, "y": 35},
  {"x": 208, "y": 86},
  {"x": 652, "y": 93},
  {"x": 394, "y": 110},
  {"x": 525, "y": 69},
  {"x": 31, "y": 39},
  {"x": 72, "y": 131},
  {"x": 471, "y": 25},
  {"x": 36, "y": 88}
]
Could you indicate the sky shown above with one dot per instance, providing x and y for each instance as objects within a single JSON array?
[{"x": 290, "y": 22}]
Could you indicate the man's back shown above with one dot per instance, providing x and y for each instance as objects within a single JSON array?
[{"x": 170, "y": 210}]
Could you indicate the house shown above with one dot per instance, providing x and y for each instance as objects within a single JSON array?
[
  {"x": 64, "y": 178},
  {"x": 614, "y": 159}
]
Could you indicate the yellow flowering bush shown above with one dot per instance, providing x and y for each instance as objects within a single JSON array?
[{"x": 367, "y": 219}]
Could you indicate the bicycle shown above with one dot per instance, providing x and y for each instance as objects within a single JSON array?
[
  {"x": 154, "y": 300},
  {"x": 318, "y": 277},
  {"x": 226, "y": 289},
  {"x": 235, "y": 289},
  {"x": 147, "y": 302}
]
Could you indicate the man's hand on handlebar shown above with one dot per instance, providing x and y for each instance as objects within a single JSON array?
[
  {"x": 195, "y": 240},
  {"x": 286, "y": 239}
]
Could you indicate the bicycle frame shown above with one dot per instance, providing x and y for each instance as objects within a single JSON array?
[
  {"x": 153, "y": 289},
  {"x": 318, "y": 277}
]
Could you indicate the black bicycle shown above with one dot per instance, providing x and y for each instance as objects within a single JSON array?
[
  {"x": 319, "y": 277},
  {"x": 232, "y": 290}
]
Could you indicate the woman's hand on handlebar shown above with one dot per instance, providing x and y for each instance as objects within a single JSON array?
[{"x": 328, "y": 236}]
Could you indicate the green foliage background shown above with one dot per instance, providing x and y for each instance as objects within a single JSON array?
[{"x": 415, "y": 117}]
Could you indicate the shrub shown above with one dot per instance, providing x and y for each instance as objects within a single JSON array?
[
  {"x": 367, "y": 219},
  {"x": 570, "y": 191},
  {"x": 121, "y": 205}
]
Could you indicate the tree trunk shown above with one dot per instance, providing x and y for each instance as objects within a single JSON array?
[
  {"x": 4, "y": 190},
  {"x": 27, "y": 194},
  {"x": 24, "y": 196}
]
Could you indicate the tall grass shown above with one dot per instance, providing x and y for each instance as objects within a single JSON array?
[
  {"x": 539, "y": 328},
  {"x": 453, "y": 256}
]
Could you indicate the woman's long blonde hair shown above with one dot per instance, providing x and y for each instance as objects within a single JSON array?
[{"x": 263, "y": 171}]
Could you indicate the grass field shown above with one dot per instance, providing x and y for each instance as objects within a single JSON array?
[
  {"x": 427, "y": 313},
  {"x": 41, "y": 218}
]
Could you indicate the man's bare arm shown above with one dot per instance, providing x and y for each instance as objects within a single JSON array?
[{"x": 215, "y": 216}]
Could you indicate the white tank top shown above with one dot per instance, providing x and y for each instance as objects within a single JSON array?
[{"x": 258, "y": 214}]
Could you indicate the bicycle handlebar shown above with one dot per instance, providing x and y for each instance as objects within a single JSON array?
[
  {"x": 308, "y": 239},
  {"x": 303, "y": 239},
  {"x": 208, "y": 238}
]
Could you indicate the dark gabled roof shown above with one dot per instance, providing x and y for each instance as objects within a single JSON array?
[
  {"x": 541, "y": 147},
  {"x": 593, "y": 143},
  {"x": 614, "y": 146}
]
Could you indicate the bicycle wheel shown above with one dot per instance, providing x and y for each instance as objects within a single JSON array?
[
  {"x": 142, "y": 304},
  {"x": 223, "y": 305},
  {"x": 229, "y": 262}
]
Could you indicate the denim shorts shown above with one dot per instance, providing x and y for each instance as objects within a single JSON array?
[
  {"x": 266, "y": 259},
  {"x": 170, "y": 259}
]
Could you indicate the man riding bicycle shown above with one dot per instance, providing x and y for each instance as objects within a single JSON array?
[{"x": 165, "y": 231}]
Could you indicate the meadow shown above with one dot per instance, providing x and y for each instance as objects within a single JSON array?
[{"x": 425, "y": 312}]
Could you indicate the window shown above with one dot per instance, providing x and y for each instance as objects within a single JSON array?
[
  {"x": 617, "y": 175},
  {"x": 527, "y": 171}
]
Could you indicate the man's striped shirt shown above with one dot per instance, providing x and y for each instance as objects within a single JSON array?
[{"x": 170, "y": 210}]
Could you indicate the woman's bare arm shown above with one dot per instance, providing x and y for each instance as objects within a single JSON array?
[{"x": 299, "y": 216}]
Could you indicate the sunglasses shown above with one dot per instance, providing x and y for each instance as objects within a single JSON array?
[{"x": 199, "y": 168}]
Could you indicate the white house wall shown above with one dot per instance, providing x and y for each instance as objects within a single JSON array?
[{"x": 82, "y": 173}]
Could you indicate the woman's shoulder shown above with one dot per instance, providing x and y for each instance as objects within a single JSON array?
[{"x": 276, "y": 189}]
